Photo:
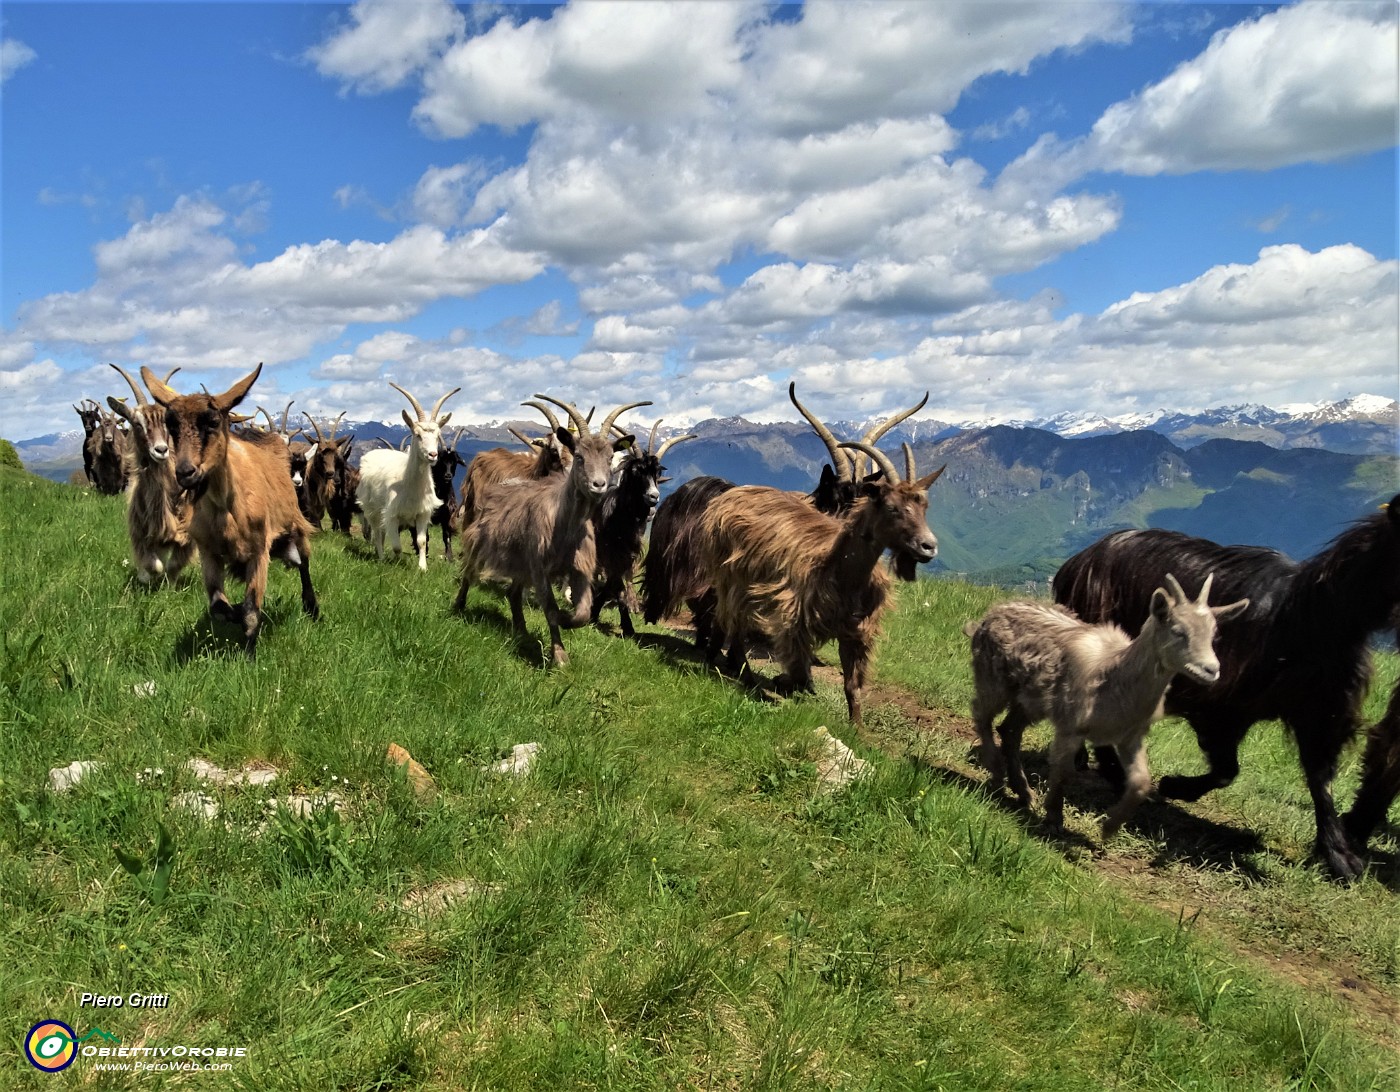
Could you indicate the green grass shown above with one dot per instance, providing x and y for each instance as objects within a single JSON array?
[{"x": 665, "y": 902}]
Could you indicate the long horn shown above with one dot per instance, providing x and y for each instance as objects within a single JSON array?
[
  {"x": 1204, "y": 597},
  {"x": 457, "y": 438},
  {"x": 522, "y": 438},
  {"x": 910, "y": 470},
  {"x": 843, "y": 464},
  {"x": 413, "y": 401},
  {"x": 610, "y": 418},
  {"x": 315, "y": 428},
  {"x": 548, "y": 413},
  {"x": 335, "y": 426},
  {"x": 673, "y": 441},
  {"x": 880, "y": 458},
  {"x": 286, "y": 413},
  {"x": 1178, "y": 595},
  {"x": 651, "y": 440},
  {"x": 874, "y": 434},
  {"x": 579, "y": 420},
  {"x": 141, "y": 399},
  {"x": 438, "y": 408}
]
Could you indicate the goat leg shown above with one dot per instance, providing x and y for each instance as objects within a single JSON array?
[
  {"x": 420, "y": 542},
  {"x": 515, "y": 595},
  {"x": 545, "y": 594},
  {"x": 1380, "y": 777},
  {"x": 1137, "y": 782},
  {"x": 1061, "y": 770}
]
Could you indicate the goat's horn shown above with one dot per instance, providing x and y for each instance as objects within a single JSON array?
[
  {"x": 548, "y": 413},
  {"x": 315, "y": 428},
  {"x": 651, "y": 440},
  {"x": 843, "y": 464},
  {"x": 456, "y": 439},
  {"x": 1204, "y": 597},
  {"x": 874, "y": 434},
  {"x": 171, "y": 372},
  {"x": 521, "y": 437},
  {"x": 271, "y": 424},
  {"x": 438, "y": 408},
  {"x": 240, "y": 418},
  {"x": 412, "y": 401},
  {"x": 141, "y": 399},
  {"x": 880, "y": 458},
  {"x": 335, "y": 426},
  {"x": 286, "y": 414},
  {"x": 910, "y": 470},
  {"x": 610, "y": 418},
  {"x": 1174, "y": 587},
  {"x": 579, "y": 420},
  {"x": 673, "y": 441}
]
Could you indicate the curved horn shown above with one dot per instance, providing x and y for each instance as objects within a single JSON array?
[
  {"x": 335, "y": 426},
  {"x": 531, "y": 444},
  {"x": 880, "y": 458},
  {"x": 315, "y": 428},
  {"x": 877, "y": 431},
  {"x": 141, "y": 399},
  {"x": 548, "y": 413},
  {"x": 1173, "y": 586},
  {"x": 457, "y": 437},
  {"x": 412, "y": 401},
  {"x": 651, "y": 440},
  {"x": 1204, "y": 597},
  {"x": 579, "y": 420},
  {"x": 286, "y": 413},
  {"x": 438, "y": 408},
  {"x": 843, "y": 464},
  {"x": 673, "y": 441},
  {"x": 910, "y": 470},
  {"x": 610, "y": 418}
]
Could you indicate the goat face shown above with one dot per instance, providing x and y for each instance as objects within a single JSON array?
[
  {"x": 298, "y": 455},
  {"x": 1186, "y": 627},
  {"x": 198, "y": 425},
  {"x": 899, "y": 511},
  {"x": 591, "y": 469},
  {"x": 428, "y": 434},
  {"x": 149, "y": 431},
  {"x": 90, "y": 417}
]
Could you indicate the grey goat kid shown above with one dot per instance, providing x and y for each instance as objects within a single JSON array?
[{"x": 1092, "y": 682}]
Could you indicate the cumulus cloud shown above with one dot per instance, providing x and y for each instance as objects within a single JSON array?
[
  {"x": 14, "y": 55},
  {"x": 388, "y": 41}
]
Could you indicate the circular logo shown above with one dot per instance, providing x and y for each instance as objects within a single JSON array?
[{"x": 50, "y": 1046}]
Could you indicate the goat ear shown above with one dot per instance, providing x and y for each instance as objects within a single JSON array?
[
  {"x": 1161, "y": 606},
  {"x": 1393, "y": 508},
  {"x": 236, "y": 393},
  {"x": 870, "y": 487},
  {"x": 828, "y": 475},
  {"x": 928, "y": 479},
  {"x": 565, "y": 438},
  {"x": 442, "y": 421},
  {"x": 409, "y": 421},
  {"x": 624, "y": 443},
  {"x": 345, "y": 443},
  {"x": 1224, "y": 614},
  {"x": 159, "y": 391},
  {"x": 118, "y": 408}
]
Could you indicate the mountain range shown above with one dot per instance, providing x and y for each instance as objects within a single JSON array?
[{"x": 1019, "y": 497}]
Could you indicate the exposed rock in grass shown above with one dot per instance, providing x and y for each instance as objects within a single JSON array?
[
  {"x": 303, "y": 806},
  {"x": 252, "y": 774},
  {"x": 419, "y": 779},
  {"x": 522, "y": 757},
  {"x": 198, "y": 804},
  {"x": 63, "y": 778},
  {"x": 837, "y": 765},
  {"x": 438, "y": 897}
]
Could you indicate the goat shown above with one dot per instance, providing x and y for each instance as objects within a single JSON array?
[
  {"x": 498, "y": 464},
  {"x": 1299, "y": 654},
  {"x": 1380, "y": 776},
  {"x": 396, "y": 487},
  {"x": 534, "y": 532},
  {"x": 245, "y": 509},
  {"x": 158, "y": 510},
  {"x": 90, "y": 414},
  {"x": 674, "y": 572},
  {"x": 323, "y": 487},
  {"x": 801, "y": 577},
  {"x": 104, "y": 453},
  {"x": 620, "y": 522},
  {"x": 445, "y": 486},
  {"x": 297, "y": 450},
  {"x": 1093, "y": 682}
]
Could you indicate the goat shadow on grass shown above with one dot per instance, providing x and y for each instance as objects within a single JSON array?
[
  {"x": 217, "y": 637},
  {"x": 529, "y": 649},
  {"x": 1180, "y": 836}
]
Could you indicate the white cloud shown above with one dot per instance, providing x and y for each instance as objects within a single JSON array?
[
  {"x": 388, "y": 42},
  {"x": 14, "y": 55}
]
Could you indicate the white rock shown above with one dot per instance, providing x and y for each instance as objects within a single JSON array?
[
  {"x": 522, "y": 757},
  {"x": 838, "y": 765},
  {"x": 144, "y": 689},
  {"x": 63, "y": 778},
  {"x": 196, "y": 803},
  {"x": 249, "y": 775}
]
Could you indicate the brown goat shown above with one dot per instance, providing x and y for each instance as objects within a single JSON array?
[
  {"x": 800, "y": 577},
  {"x": 245, "y": 507},
  {"x": 498, "y": 464},
  {"x": 324, "y": 481},
  {"x": 158, "y": 511},
  {"x": 104, "y": 453},
  {"x": 535, "y": 532}
]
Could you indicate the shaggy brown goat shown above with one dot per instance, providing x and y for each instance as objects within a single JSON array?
[
  {"x": 245, "y": 508},
  {"x": 532, "y": 533},
  {"x": 498, "y": 464},
  {"x": 800, "y": 577},
  {"x": 104, "y": 451},
  {"x": 326, "y": 463},
  {"x": 158, "y": 511}
]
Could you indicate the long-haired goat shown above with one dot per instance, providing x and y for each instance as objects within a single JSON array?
[
  {"x": 620, "y": 523},
  {"x": 396, "y": 487},
  {"x": 158, "y": 510},
  {"x": 1093, "y": 682},
  {"x": 674, "y": 573},
  {"x": 532, "y": 533},
  {"x": 105, "y": 452},
  {"x": 1298, "y": 654},
  {"x": 245, "y": 509},
  {"x": 800, "y": 577},
  {"x": 498, "y": 464},
  {"x": 90, "y": 414},
  {"x": 1380, "y": 775},
  {"x": 326, "y": 464}
]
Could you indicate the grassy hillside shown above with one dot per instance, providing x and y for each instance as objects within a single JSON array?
[{"x": 666, "y": 901}]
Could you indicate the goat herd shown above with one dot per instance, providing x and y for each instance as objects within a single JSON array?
[{"x": 1124, "y": 643}]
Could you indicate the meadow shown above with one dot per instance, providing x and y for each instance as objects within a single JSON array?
[{"x": 667, "y": 900}]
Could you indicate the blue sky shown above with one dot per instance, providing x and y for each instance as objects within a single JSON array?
[{"x": 1025, "y": 208}]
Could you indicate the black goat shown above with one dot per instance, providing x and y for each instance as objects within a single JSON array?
[
  {"x": 324, "y": 484},
  {"x": 1299, "y": 653},
  {"x": 1380, "y": 775},
  {"x": 620, "y": 522}
]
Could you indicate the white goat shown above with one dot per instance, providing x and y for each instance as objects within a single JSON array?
[
  {"x": 1092, "y": 682},
  {"x": 396, "y": 487}
]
